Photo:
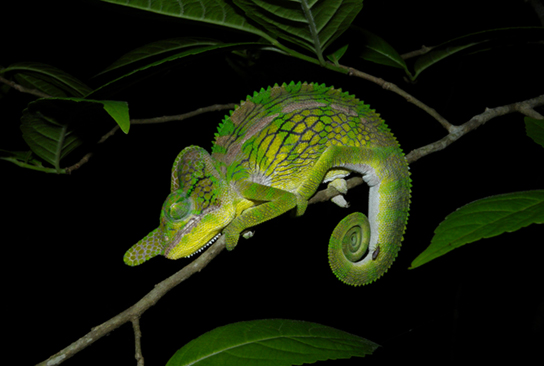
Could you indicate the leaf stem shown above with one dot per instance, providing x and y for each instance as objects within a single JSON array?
[
  {"x": 34, "y": 167},
  {"x": 313, "y": 31}
]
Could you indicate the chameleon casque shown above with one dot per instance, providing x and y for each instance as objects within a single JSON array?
[{"x": 269, "y": 156}]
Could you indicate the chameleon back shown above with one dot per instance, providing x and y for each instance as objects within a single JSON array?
[{"x": 275, "y": 137}]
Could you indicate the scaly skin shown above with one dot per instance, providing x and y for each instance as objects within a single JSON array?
[{"x": 269, "y": 157}]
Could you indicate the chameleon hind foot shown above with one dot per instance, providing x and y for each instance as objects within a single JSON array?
[{"x": 341, "y": 186}]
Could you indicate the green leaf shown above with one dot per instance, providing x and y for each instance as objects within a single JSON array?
[
  {"x": 431, "y": 58},
  {"x": 47, "y": 79},
  {"x": 274, "y": 342},
  {"x": 214, "y": 12},
  {"x": 118, "y": 111},
  {"x": 158, "y": 48},
  {"x": 377, "y": 50},
  {"x": 535, "y": 129},
  {"x": 29, "y": 81},
  {"x": 470, "y": 41},
  {"x": 48, "y": 138},
  {"x": 484, "y": 218},
  {"x": 54, "y": 127},
  {"x": 312, "y": 24},
  {"x": 25, "y": 159},
  {"x": 337, "y": 55},
  {"x": 190, "y": 52}
]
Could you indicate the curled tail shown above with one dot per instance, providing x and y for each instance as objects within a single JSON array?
[{"x": 360, "y": 249}]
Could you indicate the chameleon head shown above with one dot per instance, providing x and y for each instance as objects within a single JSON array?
[
  {"x": 190, "y": 223},
  {"x": 193, "y": 214}
]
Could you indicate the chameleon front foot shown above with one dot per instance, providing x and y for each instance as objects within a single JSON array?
[{"x": 231, "y": 237}]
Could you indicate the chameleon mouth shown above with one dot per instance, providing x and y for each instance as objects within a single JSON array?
[
  {"x": 193, "y": 222},
  {"x": 212, "y": 240}
]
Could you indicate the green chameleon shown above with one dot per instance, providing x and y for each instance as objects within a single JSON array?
[{"x": 269, "y": 156}]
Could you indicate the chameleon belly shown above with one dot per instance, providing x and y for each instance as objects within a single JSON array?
[{"x": 271, "y": 154}]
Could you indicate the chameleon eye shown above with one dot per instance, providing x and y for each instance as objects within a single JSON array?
[{"x": 179, "y": 210}]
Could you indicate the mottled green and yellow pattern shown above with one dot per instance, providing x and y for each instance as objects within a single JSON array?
[{"x": 269, "y": 156}]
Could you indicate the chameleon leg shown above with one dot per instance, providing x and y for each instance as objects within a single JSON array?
[{"x": 275, "y": 202}]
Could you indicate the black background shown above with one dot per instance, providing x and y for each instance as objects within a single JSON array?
[{"x": 65, "y": 236}]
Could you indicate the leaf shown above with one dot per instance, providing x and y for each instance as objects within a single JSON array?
[
  {"x": 158, "y": 48},
  {"x": 453, "y": 46},
  {"x": 54, "y": 127},
  {"x": 484, "y": 218},
  {"x": 25, "y": 159},
  {"x": 47, "y": 138},
  {"x": 31, "y": 82},
  {"x": 48, "y": 79},
  {"x": 337, "y": 55},
  {"x": 435, "y": 56},
  {"x": 312, "y": 24},
  {"x": 379, "y": 51},
  {"x": 274, "y": 342},
  {"x": 117, "y": 110},
  {"x": 214, "y": 12},
  {"x": 190, "y": 52},
  {"x": 535, "y": 129}
]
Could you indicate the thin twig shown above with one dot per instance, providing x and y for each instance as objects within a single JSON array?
[
  {"x": 525, "y": 107},
  {"x": 423, "y": 50},
  {"x": 410, "y": 98},
  {"x": 138, "y": 341},
  {"x": 180, "y": 117}
]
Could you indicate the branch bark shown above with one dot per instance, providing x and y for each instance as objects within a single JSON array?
[{"x": 526, "y": 107}]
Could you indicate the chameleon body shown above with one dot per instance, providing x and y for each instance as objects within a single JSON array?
[{"x": 269, "y": 156}]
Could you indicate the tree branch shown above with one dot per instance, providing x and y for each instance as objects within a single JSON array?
[
  {"x": 136, "y": 310},
  {"x": 423, "y": 50},
  {"x": 525, "y": 107},
  {"x": 410, "y": 98},
  {"x": 181, "y": 117}
]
